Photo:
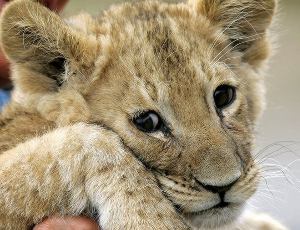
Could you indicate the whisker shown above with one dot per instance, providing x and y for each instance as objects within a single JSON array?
[{"x": 279, "y": 145}]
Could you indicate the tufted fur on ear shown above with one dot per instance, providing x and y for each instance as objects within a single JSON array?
[
  {"x": 42, "y": 47},
  {"x": 246, "y": 22}
]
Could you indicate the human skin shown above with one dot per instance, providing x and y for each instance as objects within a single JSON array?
[
  {"x": 67, "y": 223},
  {"x": 55, "y": 5}
]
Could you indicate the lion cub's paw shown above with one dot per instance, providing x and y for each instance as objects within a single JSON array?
[{"x": 260, "y": 221}]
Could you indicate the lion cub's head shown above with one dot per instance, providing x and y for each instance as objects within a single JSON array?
[{"x": 180, "y": 83}]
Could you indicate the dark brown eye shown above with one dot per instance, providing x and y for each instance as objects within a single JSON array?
[
  {"x": 148, "y": 122},
  {"x": 224, "y": 95}
]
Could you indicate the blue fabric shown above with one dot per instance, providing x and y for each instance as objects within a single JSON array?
[{"x": 4, "y": 97}]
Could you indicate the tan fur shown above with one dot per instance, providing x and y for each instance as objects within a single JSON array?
[{"x": 68, "y": 142}]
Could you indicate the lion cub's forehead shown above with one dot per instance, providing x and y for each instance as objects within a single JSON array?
[{"x": 164, "y": 45}]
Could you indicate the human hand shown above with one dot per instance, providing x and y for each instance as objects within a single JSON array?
[
  {"x": 67, "y": 223},
  {"x": 55, "y": 5}
]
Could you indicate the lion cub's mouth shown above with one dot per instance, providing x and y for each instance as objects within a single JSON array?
[
  {"x": 221, "y": 206},
  {"x": 189, "y": 197},
  {"x": 197, "y": 205}
]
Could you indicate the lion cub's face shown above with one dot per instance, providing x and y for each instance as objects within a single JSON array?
[{"x": 181, "y": 85}]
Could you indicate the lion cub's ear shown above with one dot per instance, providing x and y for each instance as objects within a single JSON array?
[
  {"x": 38, "y": 40},
  {"x": 245, "y": 22}
]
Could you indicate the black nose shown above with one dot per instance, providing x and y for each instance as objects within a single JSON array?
[{"x": 218, "y": 189}]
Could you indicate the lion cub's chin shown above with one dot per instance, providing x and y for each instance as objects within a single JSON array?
[{"x": 214, "y": 218}]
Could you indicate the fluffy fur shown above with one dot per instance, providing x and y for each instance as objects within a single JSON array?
[{"x": 67, "y": 139}]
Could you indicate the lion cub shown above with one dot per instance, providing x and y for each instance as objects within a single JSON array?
[{"x": 142, "y": 117}]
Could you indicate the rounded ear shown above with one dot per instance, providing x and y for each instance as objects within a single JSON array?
[
  {"x": 38, "y": 40},
  {"x": 246, "y": 22}
]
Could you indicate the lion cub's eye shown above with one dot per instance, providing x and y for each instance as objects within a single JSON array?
[
  {"x": 224, "y": 95},
  {"x": 148, "y": 122}
]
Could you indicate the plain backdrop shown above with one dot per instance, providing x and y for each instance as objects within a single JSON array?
[{"x": 278, "y": 134}]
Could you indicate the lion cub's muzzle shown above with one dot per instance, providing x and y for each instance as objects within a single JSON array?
[
  {"x": 191, "y": 196},
  {"x": 194, "y": 198}
]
